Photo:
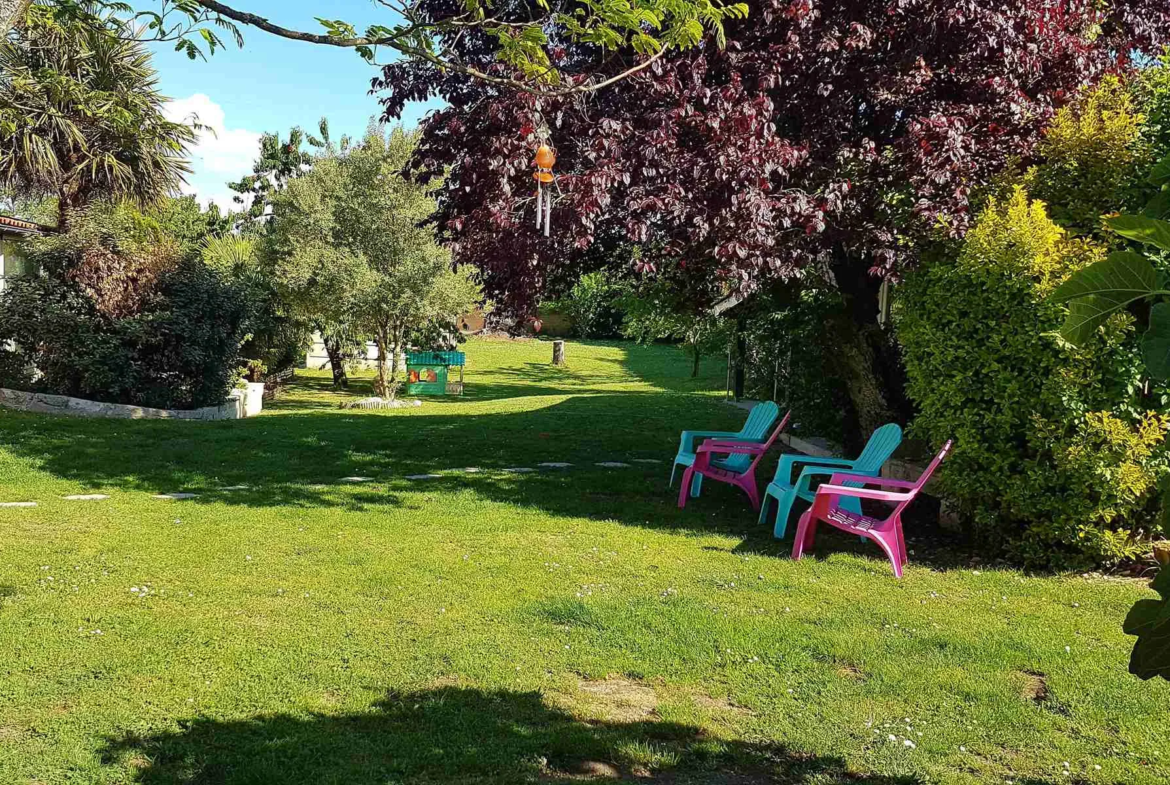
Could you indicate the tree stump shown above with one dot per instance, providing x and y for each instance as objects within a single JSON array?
[{"x": 558, "y": 353}]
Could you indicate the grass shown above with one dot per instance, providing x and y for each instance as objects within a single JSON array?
[{"x": 493, "y": 627}]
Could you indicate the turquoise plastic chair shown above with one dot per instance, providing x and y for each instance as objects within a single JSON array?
[
  {"x": 756, "y": 430},
  {"x": 877, "y": 451}
]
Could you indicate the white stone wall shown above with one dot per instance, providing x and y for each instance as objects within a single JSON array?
[{"x": 44, "y": 403}]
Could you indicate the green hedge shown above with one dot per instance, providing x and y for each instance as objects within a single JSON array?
[{"x": 1056, "y": 456}]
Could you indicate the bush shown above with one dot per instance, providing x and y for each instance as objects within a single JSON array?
[
  {"x": 152, "y": 331},
  {"x": 593, "y": 306},
  {"x": 1094, "y": 155},
  {"x": 1055, "y": 454}
]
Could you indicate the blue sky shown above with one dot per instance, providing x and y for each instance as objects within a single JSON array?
[{"x": 271, "y": 84}]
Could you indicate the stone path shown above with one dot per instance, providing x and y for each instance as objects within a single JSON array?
[{"x": 180, "y": 495}]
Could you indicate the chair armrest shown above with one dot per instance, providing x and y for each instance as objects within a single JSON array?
[
  {"x": 804, "y": 482},
  {"x": 882, "y": 482},
  {"x": 739, "y": 448},
  {"x": 789, "y": 460},
  {"x": 686, "y": 443},
  {"x": 862, "y": 493}
]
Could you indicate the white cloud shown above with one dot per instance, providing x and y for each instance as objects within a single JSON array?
[{"x": 220, "y": 154}]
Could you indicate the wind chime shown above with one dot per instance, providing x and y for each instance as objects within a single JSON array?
[{"x": 545, "y": 159}]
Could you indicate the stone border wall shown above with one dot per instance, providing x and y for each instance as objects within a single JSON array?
[{"x": 44, "y": 403}]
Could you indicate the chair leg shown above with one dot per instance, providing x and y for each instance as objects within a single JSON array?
[
  {"x": 764, "y": 506},
  {"x": 696, "y": 485},
  {"x": 686, "y": 484},
  {"x": 673, "y": 470},
  {"x": 783, "y": 511},
  {"x": 891, "y": 551},
  {"x": 901, "y": 543},
  {"x": 753, "y": 492},
  {"x": 806, "y": 531}
]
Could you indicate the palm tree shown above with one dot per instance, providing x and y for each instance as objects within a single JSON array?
[{"x": 81, "y": 116}]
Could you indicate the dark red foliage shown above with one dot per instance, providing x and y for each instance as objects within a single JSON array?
[{"x": 824, "y": 130}]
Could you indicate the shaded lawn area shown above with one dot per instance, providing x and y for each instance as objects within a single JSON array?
[{"x": 493, "y": 627}]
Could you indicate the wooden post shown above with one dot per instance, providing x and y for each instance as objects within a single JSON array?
[
  {"x": 558, "y": 353},
  {"x": 740, "y": 356}
]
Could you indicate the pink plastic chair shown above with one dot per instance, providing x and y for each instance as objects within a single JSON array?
[
  {"x": 710, "y": 451},
  {"x": 886, "y": 533}
]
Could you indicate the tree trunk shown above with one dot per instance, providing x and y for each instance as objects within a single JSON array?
[
  {"x": 865, "y": 356},
  {"x": 558, "y": 353},
  {"x": 381, "y": 383},
  {"x": 11, "y": 13},
  {"x": 695, "y": 357},
  {"x": 336, "y": 361},
  {"x": 399, "y": 339}
]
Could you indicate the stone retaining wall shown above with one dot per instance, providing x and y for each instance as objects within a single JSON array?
[{"x": 44, "y": 403}]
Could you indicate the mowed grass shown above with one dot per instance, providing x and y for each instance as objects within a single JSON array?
[{"x": 497, "y": 627}]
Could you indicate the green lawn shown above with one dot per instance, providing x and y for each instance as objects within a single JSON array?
[{"x": 501, "y": 627}]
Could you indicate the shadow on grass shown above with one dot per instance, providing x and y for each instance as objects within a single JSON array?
[
  {"x": 300, "y": 458},
  {"x": 296, "y": 457},
  {"x": 456, "y": 735}
]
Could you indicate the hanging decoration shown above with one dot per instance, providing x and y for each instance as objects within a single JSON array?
[{"x": 546, "y": 158}]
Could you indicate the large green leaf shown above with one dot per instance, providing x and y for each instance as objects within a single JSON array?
[
  {"x": 1085, "y": 316},
  {"x": 1151, "y": 231},
  {"x": 1159, "y": 206},
  {"x": 1149, "y": 620},
  {"x": 1102, "y": 289},
  {"x": 1156, "y": 342},
  {"x": 1123, "y": 277},
  {"x": 1160, "y": 174}
]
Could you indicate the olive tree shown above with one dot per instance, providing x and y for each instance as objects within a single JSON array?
[{"x": 349, "y": 244}]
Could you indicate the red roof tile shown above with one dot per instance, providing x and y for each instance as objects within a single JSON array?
[{"x": 23, "y": 226}]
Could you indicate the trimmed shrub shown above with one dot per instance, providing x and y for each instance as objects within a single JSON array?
[
  {"x": 1055, "y": 453},
  {"x": 114, "y": 316},
  {"x": 1094, "y": 157}
]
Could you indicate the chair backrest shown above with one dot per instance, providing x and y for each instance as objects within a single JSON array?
[
  {"x": 934, "y": 465},
  {"x": 771, "y": 439},
  {"x": 879, "y": 448},
  {"x": 759, "y": 421},
  {"x": 924, "y": 477}
]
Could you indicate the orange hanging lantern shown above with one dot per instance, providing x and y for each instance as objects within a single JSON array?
[{"x": 544, "y": 162}]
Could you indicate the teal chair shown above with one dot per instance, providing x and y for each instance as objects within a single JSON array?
[
  {"x": 877, "y": 451},
  {"x": 756, "y": 430}
]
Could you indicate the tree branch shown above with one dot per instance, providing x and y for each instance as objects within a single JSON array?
[{"x": 395, "y": 42}]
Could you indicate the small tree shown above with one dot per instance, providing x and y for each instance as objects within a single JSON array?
[{"x": 348, "y": 246}]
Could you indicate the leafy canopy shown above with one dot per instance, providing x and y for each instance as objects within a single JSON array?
[
  {"x": 348, "y": 245},
  {"x": 81, "y": 116}
]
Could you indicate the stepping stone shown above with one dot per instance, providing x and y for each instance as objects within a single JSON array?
[
  {"x": 613, "y": 465},
  {"x": 554, "y": 465},
  {"x": 424, "y": 476},
  {"x": 234, "y": 488},
  {"x": 357, "y": 479},
  {"x": 647, "y": 460},
  {"x": 86, "y": 497},
  {"x": 176, "y": 496},
  {"x": 18, "y": 504},
  {"x": 520, "y": 470},
  {"x": 469, "y": 470}
]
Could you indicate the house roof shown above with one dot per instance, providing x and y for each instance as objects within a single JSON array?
[{"x": 19, "y": 226}]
